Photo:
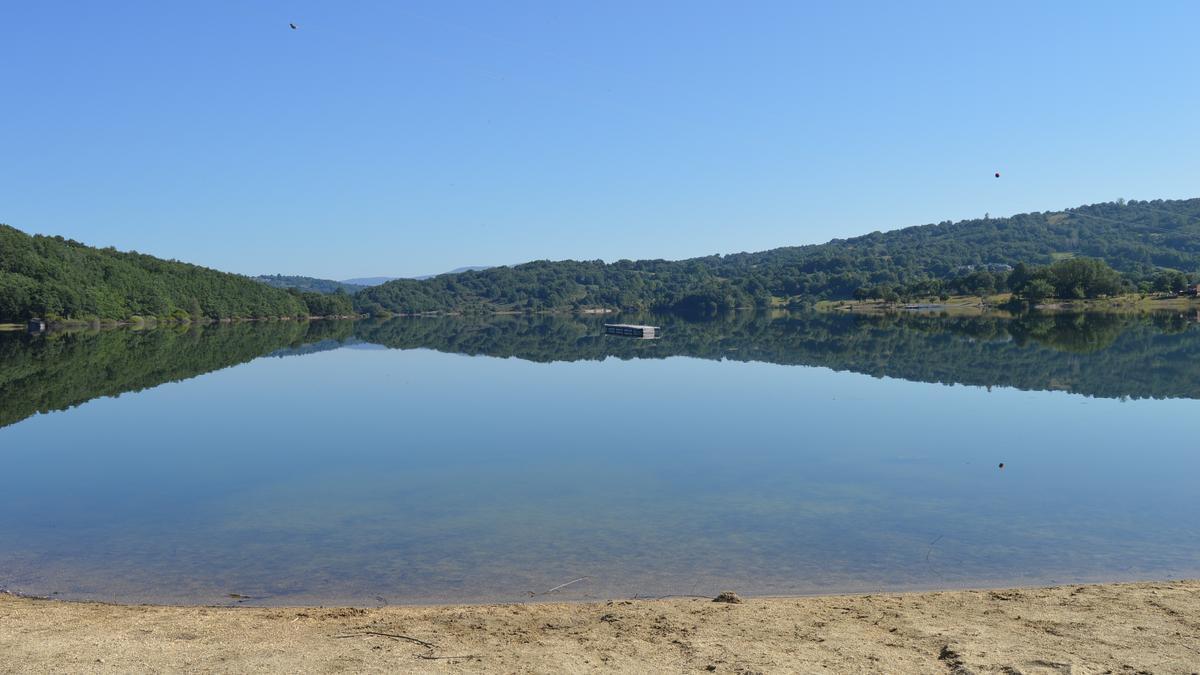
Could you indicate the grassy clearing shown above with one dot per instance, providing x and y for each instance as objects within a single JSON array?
[
  {"x": 973, "y": 304},
  {"x": 1133, "y": 302},
  {"x": 958, "y": 304}
]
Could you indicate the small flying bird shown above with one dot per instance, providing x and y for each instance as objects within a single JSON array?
[
  {"x": 997, "y": 173},
  {"x": 294, "y": 28},
  {"x": 1001, "y": 465}
]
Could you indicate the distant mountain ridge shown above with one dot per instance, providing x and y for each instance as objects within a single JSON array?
[
  {"x": 367, "y": 281},
  {"x": 349, "y": 286},
  {"x": 302, "y": 283},
  {"x": 375, "y": 281},
  {"x": 456, "y": 270}
]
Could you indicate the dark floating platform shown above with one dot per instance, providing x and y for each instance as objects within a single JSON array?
[{"x": 632, "y": 330}]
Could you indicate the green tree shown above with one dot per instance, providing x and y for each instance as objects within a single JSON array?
[{"x": 1036, "y": 290}]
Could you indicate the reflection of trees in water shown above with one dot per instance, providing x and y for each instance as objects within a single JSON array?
[
  {"x": 56, "y": 371},
  {"x": 1095, "y": 354},
  {"x": 1079, "y": 333}
]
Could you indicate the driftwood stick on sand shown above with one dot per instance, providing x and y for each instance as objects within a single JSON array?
[
  {"x": 533, "y": 595},
  {"x": 394, "y": 636},
  {"x": 408, "y": 638}
]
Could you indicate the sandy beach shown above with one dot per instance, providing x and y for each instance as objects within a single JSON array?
[{"x": 1109, "y": 628}]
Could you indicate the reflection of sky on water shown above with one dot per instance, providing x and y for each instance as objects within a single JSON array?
[{"x": 422, "y": 476}]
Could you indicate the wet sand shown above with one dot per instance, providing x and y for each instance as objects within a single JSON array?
[{"x": 1118, "y": 628}]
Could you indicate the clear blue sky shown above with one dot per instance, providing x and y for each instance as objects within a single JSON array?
[{"x": 389, "y": 138}]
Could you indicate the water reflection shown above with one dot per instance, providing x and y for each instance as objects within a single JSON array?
[
  {"x": 1106, "y": 355},
  {"x": 1102, "y": 355},
  {"x": 373, "y": 459},
  {"x": 42, "y": 373}
]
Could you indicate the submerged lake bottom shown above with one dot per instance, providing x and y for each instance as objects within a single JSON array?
[{"x": 451, "y": 460}]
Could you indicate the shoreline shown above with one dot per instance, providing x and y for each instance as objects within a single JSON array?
[
  {"x": 75, "y": 325},
  {"x": 974, "y": 305},
  {"x": 954, "y": 306},
  {"x": 1118, "y": 627},
  {"x": 570, "y": 594}
]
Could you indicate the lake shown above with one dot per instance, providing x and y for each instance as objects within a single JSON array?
[{"x": 465, "y": 460}]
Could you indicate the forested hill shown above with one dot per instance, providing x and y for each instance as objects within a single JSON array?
[
  {"x": 59, "y": 278},
  {"x": 1138, "y": 238},
  {"x": 312, "y": 284}
]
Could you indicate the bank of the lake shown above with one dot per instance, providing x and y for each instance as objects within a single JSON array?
[
  {"x": 1140, "y": 627},
  {"x": 973, "y": 305}
]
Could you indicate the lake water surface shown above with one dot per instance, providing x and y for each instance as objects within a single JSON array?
[{"x": 448, "y": 460}]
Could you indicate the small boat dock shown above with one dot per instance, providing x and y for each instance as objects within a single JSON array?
[{"x": 632, "y": 330}]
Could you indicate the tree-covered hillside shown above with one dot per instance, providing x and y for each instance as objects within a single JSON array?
[
  {"x": 312, "y": 284},
  {"x": 1140, "y": 239},
  {"x": 57, "y": 278},
  {"x": 1155, "y": 245}
]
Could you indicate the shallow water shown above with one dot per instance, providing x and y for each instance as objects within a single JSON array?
[{"x": 448, "y": 460}]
